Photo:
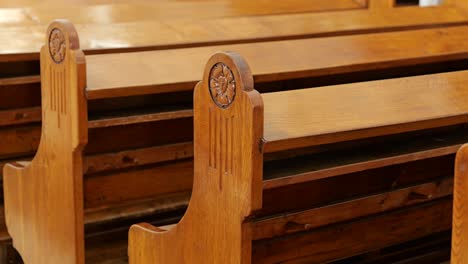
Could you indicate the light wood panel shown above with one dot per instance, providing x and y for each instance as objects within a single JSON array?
[
  {"x": 44, "y": 198},
  {"x": 22, "y": 43}
]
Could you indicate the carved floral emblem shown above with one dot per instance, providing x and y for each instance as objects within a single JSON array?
[
  {"x": 222, "y": 85},
  {"x": 57, "y": 45}
]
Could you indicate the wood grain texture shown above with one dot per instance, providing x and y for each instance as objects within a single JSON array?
[
  {"x": 380, "y": 4},
  {"x": 307, "y": 117},
  {"x": 364, "y": 234},
  {"x": 460, "y": 209},
  {"x": 22, "y": 43},
  {"x": 128, "y": 74},
  {"x": 350, "y": 209},
  {"x": 217, "y": 181},
  {"x": 37, "y": 13},
  {"x": 110, "y": 13},
  {"x": 44, "y": 198}
]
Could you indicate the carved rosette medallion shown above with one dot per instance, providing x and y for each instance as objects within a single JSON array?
[
  {"x": 222, "y": 85},
  {"x": 57, "y": 45}
]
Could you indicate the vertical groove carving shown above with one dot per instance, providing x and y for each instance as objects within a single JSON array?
[
  {"x": 210, "y": 129},
  {"x": 221, "y": 143},
  {"x": 58, "y": 91}
]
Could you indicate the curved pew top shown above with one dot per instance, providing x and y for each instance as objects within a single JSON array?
[
  {"x": 23, "y": 43},
  {"x": 307, "y": 117},
  {"x": 126, "y": 74}
]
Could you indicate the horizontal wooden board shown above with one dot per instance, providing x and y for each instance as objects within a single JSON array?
[
  {"x": 351, "y": 209},
  {"x": 313, "y": 193},
  {"x": 366, "y": 234},
  {"x": 23, "y": 43},
  {"x": 127, "y": 74},
  {"x": 108, "y": 13},
  {"x": 308, "y": 117}
]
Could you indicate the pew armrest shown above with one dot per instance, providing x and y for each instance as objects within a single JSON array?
[{"x": 16, "y": 168}]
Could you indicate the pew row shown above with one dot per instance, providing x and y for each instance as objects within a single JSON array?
[
  {"x": 131, "y": 11},
  {"x": 243, "y": 210},
  {"x": 352, "y": 58},
  {"x": 21, "y": 43},
  {"x": 122, "y": 155}
]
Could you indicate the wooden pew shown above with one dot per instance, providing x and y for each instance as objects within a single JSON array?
[
  {"x": 352, "y": 58},
  {"x": 128, "y": 158},
  {"x": 97, "y": 186},
  {"x": 460, "y": 215},
  {"x": 322, "y": 206}
]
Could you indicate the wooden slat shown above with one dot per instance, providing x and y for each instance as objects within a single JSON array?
[
  {"x": 325, "y": 165},
  {"x": 131, "y": 210},
  {"x": 362, "y": 235},
  {"x": 20, "y": 116},
  {"x": 351, "y": 209},
  {"x": 310, "y": 194},
  {"x": 137, "y": 157},
  {"x": 143, "y": 183},
  {"x": 308, "y": 117},
  {"x": 23, "y": 43},
  {"x": 154, "y": 72}
]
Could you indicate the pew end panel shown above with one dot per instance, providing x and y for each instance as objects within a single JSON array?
[
  {"x": 47, "y": 193},
  {"x": 228, "y": 120},
  {"x": 460, "y": 208}
]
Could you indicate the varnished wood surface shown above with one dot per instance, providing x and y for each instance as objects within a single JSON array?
[
  {"x": 127, "y": 74},
  {"x": 232, "y": 169},
  {"x": 152, "y": 72},
  {"x": 369, "y": 233},
  {"x": 44, "y": 198},
  {"x": 216, "y": 156},
  {"x": 331, "y": 114},
  {"x": 22, "y": 43},
  {"x": 355, "y": 208},
  {"x": 108, "y": 13},
  {"x": 123, "y": 74},
  {"x": 460, "y": 211}
]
